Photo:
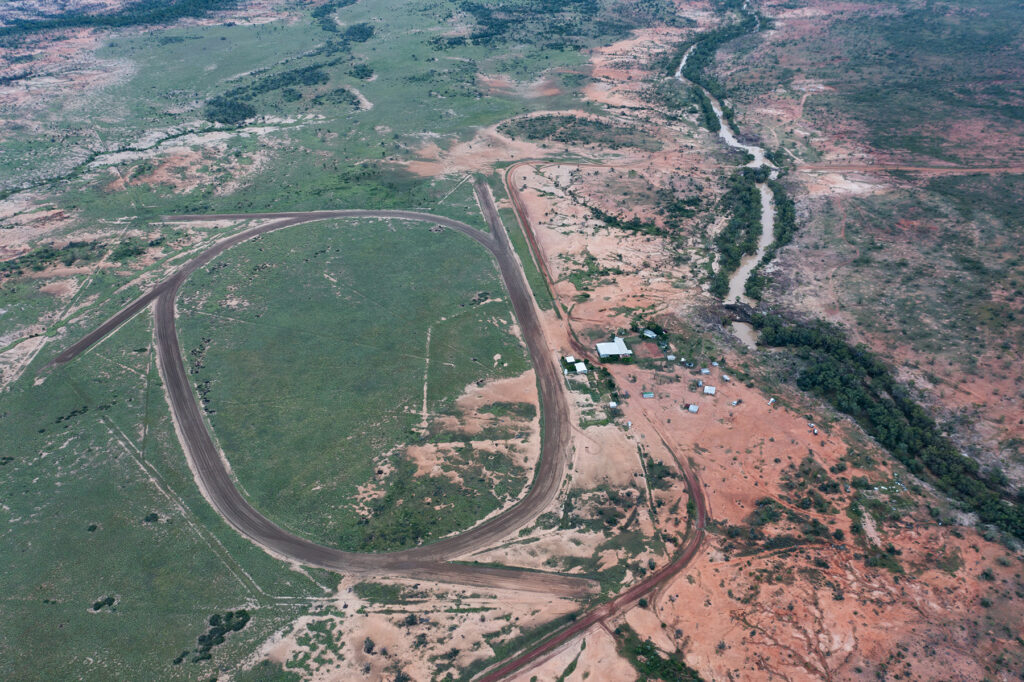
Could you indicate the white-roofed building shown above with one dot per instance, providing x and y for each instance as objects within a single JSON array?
[
  {"x": 709, "y": 390},
  {"x": 581, "y": 368},
  {"x": 613, "y": 349}
]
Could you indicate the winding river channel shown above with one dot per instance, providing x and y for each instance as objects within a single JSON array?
[{"x": 738, "y": 280}]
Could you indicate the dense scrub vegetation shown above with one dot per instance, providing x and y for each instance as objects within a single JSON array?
[
  {"x": 556, "y": 24},
  {"x": 40, "y": 257},
  {"x": 707, "y": 44},
  {"x": 707, "y": 112},
  {"x": 129, "y": 248},
  {"x": 672, "y": 209},
  {"x": 307, "y": 75},
  {"x": 324, "y": 14},
  {"x": 575, "y": 130},
  {"x": 633, "y": 224},
  {"x": 140, "y": 13},
  {"x": 742, "y": 200},
  {"x": 361, "y": 71},
  {"x": 228, "y": 111},
  {"x": 785, "y": 229},
  {"x": 672, "y": 95},
  {"x": 648, "y": 661},
  {"x": 337, "y": 96},
  {"x": 855, "y": 382},
  {"x": 220, "y": 626}
]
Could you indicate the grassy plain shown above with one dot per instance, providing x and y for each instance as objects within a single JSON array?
[
  {"x": 89, "y": 456},
  {"x": 310, "y": 347}
]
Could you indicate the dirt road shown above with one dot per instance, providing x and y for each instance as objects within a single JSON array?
[{"x": 424, "y": 562}]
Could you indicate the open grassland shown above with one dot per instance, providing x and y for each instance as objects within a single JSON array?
[
  {"x": 311, "y": 90},
  {"x": 313, "y": 349},
  {"x": 108, "y": 542}
]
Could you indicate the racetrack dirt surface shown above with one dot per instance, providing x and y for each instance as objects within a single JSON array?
[{"x": 427, "y": 561}]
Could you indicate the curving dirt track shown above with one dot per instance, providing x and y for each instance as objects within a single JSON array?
[{"x": 424, "y": 562}]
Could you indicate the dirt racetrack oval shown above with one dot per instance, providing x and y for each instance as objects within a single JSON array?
[{"x": 430, "y": 561}]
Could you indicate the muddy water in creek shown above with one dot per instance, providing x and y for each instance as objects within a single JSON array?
[{"x": 739, "y": 278}]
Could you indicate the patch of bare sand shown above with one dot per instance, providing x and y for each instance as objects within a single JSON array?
[
  {"x": 470, "y": 419},
  {"x": 15, "y": 359},
  {"x": 61, "y": 288},
  {"x": 26, "y": 220},
  {"x": 619, "y": 71},
  {"x": 604, "y": 455},
  {"x": 818, "y": 183},
  {"x": 480, "y": 154},
  {"x": 487, "y": 148},
  {"x": 644, "y": 620},
  {"x": 519, "y": 389},
  {"x": 544, "y": 86},
  {"x": 537, "y": 549},
  {"x": 364, "y": 103},
  {"x": 183, "y": 169},
  {"x": 848, "y": 620}
]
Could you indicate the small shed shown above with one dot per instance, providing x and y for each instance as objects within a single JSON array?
[
  {"x": 670, "y": 358},
  {"x": 647, "y": 394},
  {"x": 705, "y": 370},
  {"x": 693, "y": 408},
  {"x": 570, "y": 360},
  {"x": 581, "y": 368},
  {"x": 649, "y": 334},
  {"x": 709, "y": 390}
]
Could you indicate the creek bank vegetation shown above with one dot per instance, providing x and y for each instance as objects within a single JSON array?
[
  {"x": 785, "y": 230},
  {"x": 739, "y": 237},
  {"x": 857, "y": 383}
]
